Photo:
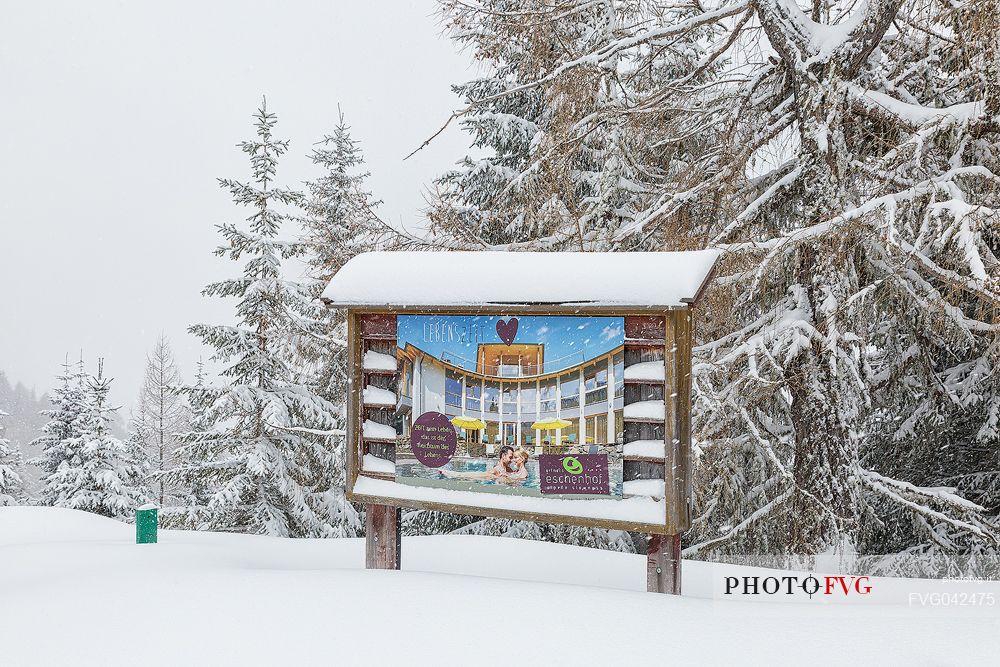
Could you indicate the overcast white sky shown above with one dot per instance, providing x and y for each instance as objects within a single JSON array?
[{"x": 117, "y": 118}]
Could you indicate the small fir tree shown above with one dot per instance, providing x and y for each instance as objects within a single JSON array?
[
  {"x": 105, "y": 475},
  {"x": 62, "y": 428}
]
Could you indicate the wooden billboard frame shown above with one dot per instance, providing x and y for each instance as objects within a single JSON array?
[{"x": 663, "y": 571}]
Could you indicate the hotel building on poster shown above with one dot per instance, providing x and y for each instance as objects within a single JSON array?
[{"x": 510, "y": 389}]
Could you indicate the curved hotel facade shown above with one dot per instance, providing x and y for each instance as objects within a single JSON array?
[{"x": 511, "y": 388}]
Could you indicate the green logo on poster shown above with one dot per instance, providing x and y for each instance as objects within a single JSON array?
[{"x": 572, "y": 465}]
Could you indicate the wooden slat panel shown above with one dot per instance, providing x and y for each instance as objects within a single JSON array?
[
  {"x": 383, "y": 345},
  {"x": 646, "y": 391},
  {"x": 638, "y": 355},
  {"x": 388, "y": 382},
  {"x": 379, "y": 325},
  {"x": 383, "y": 450},
  {"x": 643, "y": 327},
  {"x": 643, "y": 431},
  {"x": 379, "y": 414},
  {"x": 642, "y": 469}
]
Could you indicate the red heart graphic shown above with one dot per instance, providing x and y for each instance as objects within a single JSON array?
[{"x": 507, "y": 330}]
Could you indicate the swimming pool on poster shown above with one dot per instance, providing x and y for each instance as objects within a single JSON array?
[{"x": 410, "y": 471}]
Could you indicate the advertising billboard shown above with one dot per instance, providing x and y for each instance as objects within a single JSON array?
[{"x": 529, "y": 405}]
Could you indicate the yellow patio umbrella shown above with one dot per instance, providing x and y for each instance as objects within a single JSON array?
[
  {"x": 468, "y": 423},
  {"x": 549, "y": 424}
]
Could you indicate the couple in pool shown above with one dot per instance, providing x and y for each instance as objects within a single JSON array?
[{"x": 512, "y": 468}]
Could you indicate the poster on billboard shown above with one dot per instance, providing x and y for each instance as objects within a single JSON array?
[{"x": 529, "y": 405}]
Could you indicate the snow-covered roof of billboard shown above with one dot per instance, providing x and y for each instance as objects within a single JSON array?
[{"x": 595, "y": 279}]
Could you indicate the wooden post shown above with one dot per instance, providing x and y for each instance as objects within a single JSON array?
[
  {"x": 663, "y": 564},
  {"x": 671, "y": 441},
  {"x": 382, "y": 537},
  {"x": 354, "y": 389},
  {"x": 685, "y": 472}
]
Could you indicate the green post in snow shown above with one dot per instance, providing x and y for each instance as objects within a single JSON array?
[{"x": 145, "y": 524}]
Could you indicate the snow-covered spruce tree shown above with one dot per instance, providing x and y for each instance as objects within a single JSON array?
[
  {"x": 339, "y": 222},
  {"x": 851, "y": 173},
  {"x": 547, "y": 181},
  {"x": 11, "y": 486},
  {"x": 105, "y": 475},
  {"x": 67, "y": 399},
  {"x": 252, "y": 451},
  {"x": 161, "y": 415}
]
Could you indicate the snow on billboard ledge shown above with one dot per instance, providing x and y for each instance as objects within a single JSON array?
[
  {"x": 653, "y": 449},
  {"x": 638, "y": 509},
  {"x": 642, "y": 279},
  {"x": 645, "y": 410},
  {"x": 649, "y": 371},
  {"x": 654, "y": 488},
  {"x": 373, "y": 395},
  {"x": 375, "y": 431},
  {"x": 376, "y": 361},
  {"x": 372, "y": 463}
]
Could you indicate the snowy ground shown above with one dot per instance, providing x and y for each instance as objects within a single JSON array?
[{"x": 75, "y": 589}]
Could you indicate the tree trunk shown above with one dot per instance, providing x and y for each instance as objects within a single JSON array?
[{"x": 822, "y": 441}]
